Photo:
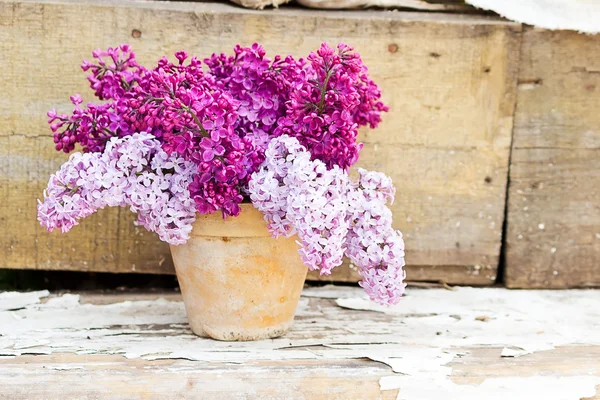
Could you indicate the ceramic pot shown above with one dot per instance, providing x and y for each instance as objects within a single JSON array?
[{"x": 238, "y": 282}]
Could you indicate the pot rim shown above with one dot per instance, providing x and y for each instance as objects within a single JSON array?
[{"x": 250, "y": 223}]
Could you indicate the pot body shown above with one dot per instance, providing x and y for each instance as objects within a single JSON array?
[{"x": 237, "y": 282}]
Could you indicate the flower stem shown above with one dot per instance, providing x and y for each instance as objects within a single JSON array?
[
  {"x": 323, "y": 90},
  {"x": 189, "y": 110}
]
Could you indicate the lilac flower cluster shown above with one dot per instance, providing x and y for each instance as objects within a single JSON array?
[
  {"x": 333, "y": 98},
  {"x": 260, "y": 85},
  {"x": 280, "y": 131},
  {"x": 182, "y": 106},
  {"x": 301, "y": 196},
  {"x": 222, "y": 119},
  {"x": 91, "y": 127},
  {"x": 133, "y": 172},
  {"x": 112, "y": 79},
  {"x": 332, "y": 216},
  {"x": 94, "y": 126},
  {"x": 372, "y": 244}
]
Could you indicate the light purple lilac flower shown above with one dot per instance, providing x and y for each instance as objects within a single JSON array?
[
  {"x": 372, "y": 244},
  {"x": 332, "y": 216},
  {"x": 132, "y": 172}
]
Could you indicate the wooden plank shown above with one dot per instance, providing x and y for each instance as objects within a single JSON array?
[
  {"x": 449, "y": 80},
  {"x": 451, "y": 274},
  {"x": 435, "y": 344},
  {"x": 553, "y": 236},
  {"x": 480, "y": 363},
  {"x": 69, "y": 376},
  {"x": 61, "y": 376}
]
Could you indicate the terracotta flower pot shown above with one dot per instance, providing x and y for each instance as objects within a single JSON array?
[{"x": 238, "y": 283}]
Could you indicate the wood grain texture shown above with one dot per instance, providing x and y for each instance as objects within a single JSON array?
[
  {"x": 553, "y": 231},
  {"x": 475, "y": 275},
  {"x": 435, "y": 344},
  {"x": 61, "y": 376},
  {"x": 449, "y": 80},
  {"x": 69, "y": 376}
]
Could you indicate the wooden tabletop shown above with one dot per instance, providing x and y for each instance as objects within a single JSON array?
[{"x": 465, "y": 343}]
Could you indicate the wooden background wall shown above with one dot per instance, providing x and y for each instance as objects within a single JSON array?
[{"x": 459, "y": 87}]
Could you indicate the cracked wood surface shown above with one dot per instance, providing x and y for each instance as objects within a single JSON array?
[
  {"x": 449, "y": 80},
  {"x": 553, "y": 226},
  {"x": 461, "y": 344}
]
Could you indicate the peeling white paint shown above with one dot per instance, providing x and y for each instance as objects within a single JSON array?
[
  {"x": 515, "y": 318},
  {"x": 418, "y": 338},
  {"x": 514, "y": 352},
  {"x": 17, "y": 300},
  {"x": 514, "y": 388}
]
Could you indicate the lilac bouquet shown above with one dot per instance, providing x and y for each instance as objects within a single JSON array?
[{"x": 190, "y": 137}]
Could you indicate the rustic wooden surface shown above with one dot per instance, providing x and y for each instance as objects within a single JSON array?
[
  {"x": 449, "y": 80},
  {"x": 462, "y": 344},
  {"x": 553, "y": 232},
  {"x": 451, "y": 274}
]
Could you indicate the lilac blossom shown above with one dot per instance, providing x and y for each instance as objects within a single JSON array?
[
  {"x": 260, "y": 85},
  {"x": 333, "y": 97},
  {"x": 132, "y": 172},
  {"x": 92, "y": 127},
  {"x": 301, "y": 196},
  {"x": 372, "y": 244},
  {"x": 281, "y": 131},
  {"x": 332, "y": 216},
  {"x": 116, "y": 70},
  {"x": 190, "y": 115}
]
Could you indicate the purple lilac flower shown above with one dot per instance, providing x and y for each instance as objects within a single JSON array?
[
  {"x": 333, "y": 98},
  {"x": 132, "y": 171},
  {"x": 223, "y": 119},
  {"x": 260, "y": 86},
  {"x": 191, "y": 116},
  {"x": 301, "y": 196},
  {"x": 332, "y": 216},
  {"x": 207, "y": 137},
  {"x": 114, "y": 73},
  {"x": 91, "y": 127}
]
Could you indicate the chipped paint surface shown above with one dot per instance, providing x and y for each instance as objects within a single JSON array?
[
  {"x": 529, "y": 320},
  {"x": 514, "y": 388},
  {"x": 15, "y": 300},
  {"x": 418, "y": 339}
]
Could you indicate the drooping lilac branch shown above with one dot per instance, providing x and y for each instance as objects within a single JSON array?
[
  {"x": 131, "y": 172},
  {"x": 332, "y": 216}
]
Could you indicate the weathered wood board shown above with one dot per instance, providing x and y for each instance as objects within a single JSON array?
[
  {"x": 463, "y": 344},
  {"x": 450, "y": 81},
  {"x": 553, "y": 231}
]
